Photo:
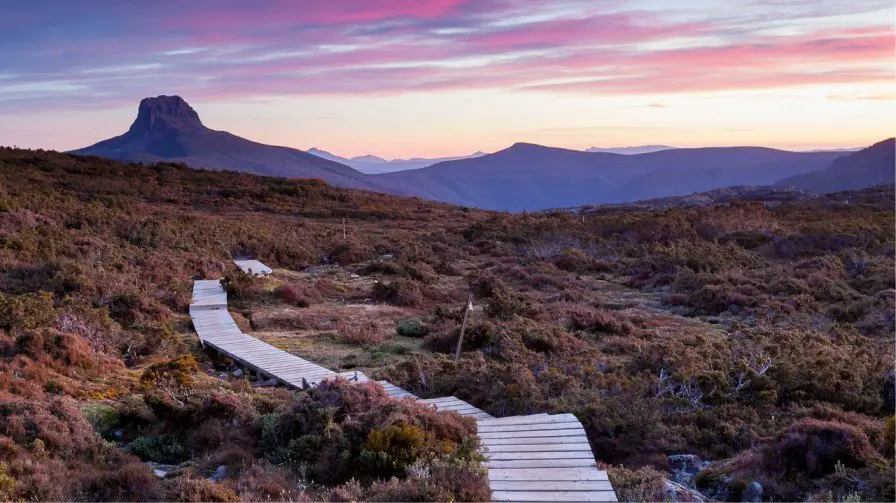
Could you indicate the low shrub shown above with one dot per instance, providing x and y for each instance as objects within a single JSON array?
[
  {"x": 813, "y": 448},
  {"x": 360, "y": 332},
  {"x": 598, "y": 321},
  {"x": 643, "y": 484},
  {"x": 242, "y": 285},
  {"x": 162, "y": 449},
  {"x": 293, "y": 294},
  {"x": 191, "y": 488},
  {"x": 401, "y": 292},
  {"x": 339, "y": 430},
  {"x": 411, "y": 327},
  {"x": 177, "y": 372}
]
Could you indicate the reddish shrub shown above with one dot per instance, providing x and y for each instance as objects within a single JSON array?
[
  {"x": 814, "y": 447},
  {"x": 401, "y": 292},
  {"x": 293, "y": 294},
  {"x": 190, "y": 488},
  {"x": 596, "y": 320},
  {"x": 365, "y": 333}
]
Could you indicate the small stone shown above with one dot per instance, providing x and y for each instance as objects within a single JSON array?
[
  {"x": 753, "y": 492},
  {"x": 220, "y": 473},
  {"x": 237, "y": 373},
  {"x": 685, "y": 467}
]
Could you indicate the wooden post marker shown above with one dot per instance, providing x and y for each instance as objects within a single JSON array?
[{"x": 463, "y": 327}]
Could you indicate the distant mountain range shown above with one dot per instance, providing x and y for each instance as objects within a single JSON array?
[
  {"x": 372, "y": 164},
  {"x": 866, "y": 168},
  {"x": 643, "y": 149},
  {"x": 168, "y": 129},
  {"x": 522, "y": 177},
  {"x": 532, "y": 177}
]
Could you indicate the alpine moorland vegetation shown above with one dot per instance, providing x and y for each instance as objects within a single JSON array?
[{"x": 756, "y": 336}]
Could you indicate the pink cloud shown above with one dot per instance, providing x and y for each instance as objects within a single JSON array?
[{"x": 397, "y": 46}]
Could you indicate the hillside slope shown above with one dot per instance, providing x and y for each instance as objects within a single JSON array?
[
  {"x": 533, "y": 177},
  {"x": 168, "y": 129},
  {"x": 875, "y": 165},
  {"x": 757, "y": 337},
  {"x": 371, "y": 164}
]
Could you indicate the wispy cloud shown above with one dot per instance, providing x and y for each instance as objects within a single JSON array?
[{"x": 111, "y": 53}]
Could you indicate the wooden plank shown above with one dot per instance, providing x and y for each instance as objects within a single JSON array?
[
  {"x": 252, "y": 266},
  {"x": 548, "y": 447},
  {"x": 576, "y": 439},
  {"x": 531, "y": 434},
  {"x": 530, "y": 427},
  {"x": 555, "y": 475},
  {"x": 553, "y": 496},
  {"x": 514, "y": 419},
  {"x": 527, "y": 420},
  {"x": 456, "y": 406},
  {"x": 553, "y": 485},
  {"x": 308, "y": 376},
  {"x": 441, "y": 400},
  {"x": 541, "y": 463},
  {"x": 288, "y": 366},
  {"x": 459, "y": 406},
  {"x": 506, "y": 456}
]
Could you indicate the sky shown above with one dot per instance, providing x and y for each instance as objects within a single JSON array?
[{"x": 403, "y": 78}]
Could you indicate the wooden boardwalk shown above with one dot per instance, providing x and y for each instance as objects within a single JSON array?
[
  {"x": 539, "y": 457},
  {"x": 216, "y": 328},
  {"x": 252, "y": 266}
]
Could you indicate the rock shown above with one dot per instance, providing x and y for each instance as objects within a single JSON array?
[
  {"x": 679, "y": 493},
  {"x": 220, "y": 473},
  {"x": 118, "y": 434},
  {"x": 237, "y": 373},
  {"x": 753, "y": 492},
  {"x": 161, "y": 470},
  {"x": 222, "y": 376},
  {"x": 265, "y": 384},
  {"x": 166, "y": 113},
  {"x": 685, "y": 467}
]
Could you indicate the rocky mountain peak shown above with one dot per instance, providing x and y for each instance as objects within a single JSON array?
[{"x": 166, "y": 114}]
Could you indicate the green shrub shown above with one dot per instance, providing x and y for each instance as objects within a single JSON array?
[
  {"x": 167, "y": 449},
  {"x": 411, "y": 327}
]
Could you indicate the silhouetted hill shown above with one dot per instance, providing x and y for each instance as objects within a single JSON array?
[
  {"x": 640, "y": 149},
  {"x": 168, "y": 129},
  {"x": 875, "y": 165},
  {"x": 532, "y": 177},
  {"x": 371, "y": 164}
]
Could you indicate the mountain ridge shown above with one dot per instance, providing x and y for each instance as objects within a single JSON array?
[
  {"x": 167, "y": 128},
  {"x": 373, "y": 164},
  {"x": 527, "y": 176},
  {"x": 870, "y": 166}
]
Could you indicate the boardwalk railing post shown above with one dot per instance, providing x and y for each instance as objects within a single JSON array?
[{"x": 463, "y": 327}]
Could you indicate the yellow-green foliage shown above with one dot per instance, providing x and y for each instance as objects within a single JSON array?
[
  {"x": 179, "y": 372},
  {"x": 31, "y": 310},
  {"x": 644, "y": 484},
  {"x": 7, "y": 484},
  {"x": 400, "y": 443}
]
